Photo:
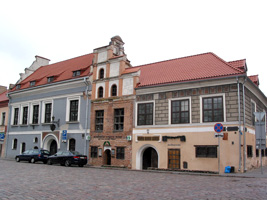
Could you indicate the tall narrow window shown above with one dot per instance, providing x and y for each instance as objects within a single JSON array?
[
  {"x": 118, "y": 119},
  {"x": 94, "y": 152},
  {"x": 120, "y": 152},
  {"x": 100, "y": 92},
  {"x": 35, "y": 117},
  {"x": 72, "y": 144},
  {"x": 99, "y": 120},
  {"x": 3, "y": 119},
  {"x": 180, "y": 111},
  {"x": 114, "y": 90},
  {"x": 213, "y": 109},
  {"x": 23, "y": 147},
  {"x": 249, "y": 151},
  {"x": 74, "y": 104},
  {"x": 145, "y": 114},
  {"x": 253, "y": 109},
  {"x": 25, "y": 115},
  {"x": 15, "y": 143},
  {"x": 101, "y": 73},
  {"x": 48, "y": 112},
  {"x": 16, "y": 116}
]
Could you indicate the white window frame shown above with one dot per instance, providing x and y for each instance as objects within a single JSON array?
[
  {"x": 212, "y": 95},
  {"x": 21, "y": 114},
  {"x": 69, "y": 99},
  {"x": 97, "y": 87},
  {"x": 31, "y": 112},
  {"x": 13, "y": 115},
  {"x": 43, "y": 109},
  {"x": 170, "y": 110},
  {"x": 136, "y": 112}
]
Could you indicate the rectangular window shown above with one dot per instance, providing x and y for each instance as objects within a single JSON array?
[
  {"x": 206, "y": 151},
  {"x": 32, "y": 83},
  {"x": 257, "y": 152},
  {"x": 253, "y": 109},
  {"x": 48, "y": 112},
  {"x": 118, "y": 119},
  {"x": 16, "y": 116},
  {"x": 99, "y": 120},
  {"x": 35, "y": 115},
  {"x": 76, "y": 73},
  {"x": 249, "y": 151},
  {"x": 50, "y": 79},
  {"x": 25, "y": 115},
  {"x": 174, "y": 158},
  {"x": 180, "y": 111},
  {"x": 120, "y": 152},
  {"x": 94, "y": 152},
  {"x": 74, "y": 105},
  {"x": 213, "y": 109},
  {"x": 145, "y": 114},
  {"x": 3, "y": 119}
]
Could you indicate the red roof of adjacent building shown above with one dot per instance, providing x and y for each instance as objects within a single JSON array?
[
  {"x": 3, "y": 96},
  {"x": 239, "y": 64},
  {"x": 197, "y": 67},
  {"x": 60, "y": 71},
  {"x": 254, "y": 79}
]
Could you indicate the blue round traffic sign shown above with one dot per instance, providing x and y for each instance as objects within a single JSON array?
[{"x": 218, "y": 127}]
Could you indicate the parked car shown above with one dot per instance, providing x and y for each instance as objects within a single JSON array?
[
  {"x": 33, "y": 156},
  {"x": 67, "y": 158}
]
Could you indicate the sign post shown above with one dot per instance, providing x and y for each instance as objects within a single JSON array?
[
  {"x": 218, "y": 128},
  {"x": 260, "y": 133}
]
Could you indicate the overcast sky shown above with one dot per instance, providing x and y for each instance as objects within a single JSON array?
[{"x": 152, "y": 31}]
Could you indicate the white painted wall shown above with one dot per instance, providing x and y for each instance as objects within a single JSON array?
[
  {"x": 102, "y": 56},
  {"x": 114, "y": 69},
  {"x": 127, "y": 86}
]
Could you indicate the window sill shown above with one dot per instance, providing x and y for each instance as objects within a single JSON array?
[
  {"x": 72, "y": 122},
  {"x": 117, "y": 131}
]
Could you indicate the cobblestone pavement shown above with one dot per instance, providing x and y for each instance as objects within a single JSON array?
[{"x": 38, "y": 181}]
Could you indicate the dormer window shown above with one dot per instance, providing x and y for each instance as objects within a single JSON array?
[
  {"x": 101, "y": 73},
  {"x": 76, "y": 73},
  {"x": 50, "y": 79},
  {"x": 114, "y": 90},
  {"x": 18, "y": 86},
  {"x": 100, "y": 92},
  {"x": 32, "y": 83}
]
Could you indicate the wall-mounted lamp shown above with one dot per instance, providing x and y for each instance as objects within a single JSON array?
[{"x": 53, "y": 126}]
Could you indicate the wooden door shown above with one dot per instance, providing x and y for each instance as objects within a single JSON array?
[{"x": 174, "y": 158}]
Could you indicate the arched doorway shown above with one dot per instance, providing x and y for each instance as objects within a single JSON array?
[
  {"x": 107, "y": 157},
  {"x": 53, "y": 147},
  {"x": 150, "y": 158},
  {"x": 72, "y": 144}
]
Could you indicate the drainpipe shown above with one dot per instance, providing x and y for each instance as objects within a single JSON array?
[
  {"x": 244, "y": 125},
  {"x": 8, "y": 126},
  {"x": 239, "y": 120},
  {"x": 86, "y": 116}
]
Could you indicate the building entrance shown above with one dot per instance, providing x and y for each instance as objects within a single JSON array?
[
  {"x": 107, "y": 157},
  {"x": 53, "y": 147},
  {"x": 150, "y": 158}
]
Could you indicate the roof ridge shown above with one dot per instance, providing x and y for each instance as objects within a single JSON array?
[
  {"x": 69, "y": 59},
  {"x": 225, "y": 62},
  {"x": 174, "y": 59},
  {"x": 237, "y": 60}
]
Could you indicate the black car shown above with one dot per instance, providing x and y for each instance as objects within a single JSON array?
[
  {"x": 67, "y": 158},
  {"x": 33, "y": 156}
]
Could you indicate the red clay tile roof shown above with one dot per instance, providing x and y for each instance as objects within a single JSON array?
[
  {"x": 197, "y": 67},
  {"x": 3, "y": 96},
  {"x": 130, "y": 70},
  {"x": 255, "y": 79},
  {"x": 239, "y": 64},
  {"x": 61, "y": 71}
]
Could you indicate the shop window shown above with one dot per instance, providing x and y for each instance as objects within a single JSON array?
[
  {"x": 145, "y": 114},
  {"x": 206, "y": 151},
  {"x": 213, "y": 109},
  {"x": 120, "y": 152},
  {"x": 94, "y": 152},
  {"x": 249, "y": 151}
]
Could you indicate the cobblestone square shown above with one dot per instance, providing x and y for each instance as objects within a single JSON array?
[{"x": 38, "y": 181}]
